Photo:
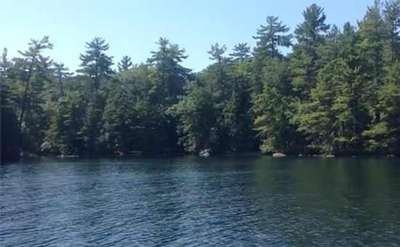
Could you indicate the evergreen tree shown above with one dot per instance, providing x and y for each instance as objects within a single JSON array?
[
  {"x": 197, "y": 119},
  {"x": 64, "y": 135},
  {"x": 371, "y": 46},
  {"x": 304, "y": 60},
  {"x": 96, "y": 64},
  {"x": 327, "y": 118},
  {"x": 171, "y": 76},
  {"x": 125, "y": 64},
  {"x": 10, "y": 133},
  {"x": 392, "y": 23},
  {"x": 272, "y": 36},
  {"x": 61, "y": 73},
  {"x": 270, "y": 39},
  {"x": 240, "y": 52},
  {"x": 96, "y": 67},
  {"x": 30, "y": 74},
  {"x": 383, "y": 136},
  {"x": 272, "y": 109}
]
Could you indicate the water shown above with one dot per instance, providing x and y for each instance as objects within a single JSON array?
[{"x": 231, "y": 201}]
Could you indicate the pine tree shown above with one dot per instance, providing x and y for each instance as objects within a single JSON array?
[
  {"x": 372, "y": 38},
  {"x": 383, "y": 136},
  {"x": 272, "y": 109},
  {"x": 95, "y": 63},
  {"x": 272, "y": 36},
  {"x": 10, "y": 133},
  {"x": 171, "y": 76},
  {"x": 197, "y": 115},
  {"x": 240, "y": 52},
  {"x": 31, "y": 73},
  {"x": 391, "y": 16},
  {"x": 64, "y": 135},
  {"x": 304, "y": 60},
  {"x": 125, "y": 64},
  {"x": 119, "y": 118},
  {"x": 96, "y": 67},
  {"x": 61, "y": 73},
  {"x": 328, "y": 119}
]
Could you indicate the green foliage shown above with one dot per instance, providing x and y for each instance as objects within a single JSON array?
[
  {"x": 10, "y": 133},
  {"x": 305, "y": 60},
  {"x": 384, "y": 136},
  {"x": 65, "y": 135},
  {"x": 336, "y": 92},
  {"x": 95, "y": 63},
  {"x": 170, "y": 76},
  {"x": 31, "y": 75},
  {"x": 240, "y": 52},
  {"x": 125, "y": 64},
  {"x": 197, "y": 119},
  {"x": 273, "y": 110},
  {"x": 392, "y": 25},
  {"x": 328, "y": 119},
  {"x": 272, "y": 36}
]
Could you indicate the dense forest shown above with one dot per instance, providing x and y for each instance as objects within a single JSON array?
[{"x": 322, "y": 89}]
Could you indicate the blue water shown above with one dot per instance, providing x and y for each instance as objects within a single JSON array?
[{"x": 230, "y": 201}]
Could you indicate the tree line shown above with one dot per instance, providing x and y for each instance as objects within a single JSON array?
[{"x": 320, "y": 90}]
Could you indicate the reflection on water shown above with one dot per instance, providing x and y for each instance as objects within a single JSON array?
[{"x": 239, "y": 201}]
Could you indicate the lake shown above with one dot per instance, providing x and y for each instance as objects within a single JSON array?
[{"x": 246, "y": 200}]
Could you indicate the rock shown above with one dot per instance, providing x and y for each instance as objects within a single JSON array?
[
  {"x": 205, "y": 153},
  {"x": 67, "y": 156},
  {"x": 330, "y": 156},
  {"x": 278, "y": 155},
  {"x": 135, "y": 153}
]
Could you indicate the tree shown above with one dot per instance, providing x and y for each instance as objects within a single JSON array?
[
  {"x": 96, "y": 67},
  {"x": 272, "y": 110},
  {"x": 197, "y": 119},
  {"x": 61, "y": 73},
  {"x": 392, "y": 22},
  {"x": 168, "y": 82},
  {"x": 30, "y": 74},
  {"x": 10, "y": 133},
  {"x": 383, "y": 136},
  {"x": 328, "y": 119},
  {"x": 64, "y": 135},
  {"x": 304, "y": 60},
  {"x": 117, "y": 118},
  {"x": 171, "y": 76},
  {"x": 95, "y": 63},
  {"x": 240, "y": 52},
  {"x": 270, "y": 39},
  {"x": 125, "y": 64},
  {"x": 372, "y": 38},
  {"x": 272, "y": 36}
]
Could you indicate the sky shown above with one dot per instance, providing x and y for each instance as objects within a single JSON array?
[{"x": 132, "y": 27}]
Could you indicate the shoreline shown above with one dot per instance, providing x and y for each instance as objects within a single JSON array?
[{"x": 216, "y": 156}]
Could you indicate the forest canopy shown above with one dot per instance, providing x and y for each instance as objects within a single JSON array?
[{"x": 336, "y": 92}]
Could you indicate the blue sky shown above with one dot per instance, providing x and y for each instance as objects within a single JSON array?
[{"x": 133, "y": 26}]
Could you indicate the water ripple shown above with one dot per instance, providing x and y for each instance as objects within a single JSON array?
[{"x": 253, "y": 201}]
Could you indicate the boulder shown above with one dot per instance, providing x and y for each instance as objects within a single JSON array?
[
  {"x": 278, "y": 155},
  {"x": 205, "y": 153}
]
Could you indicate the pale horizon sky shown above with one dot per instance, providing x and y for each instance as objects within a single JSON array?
[{"x": 133, "y": 27}]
